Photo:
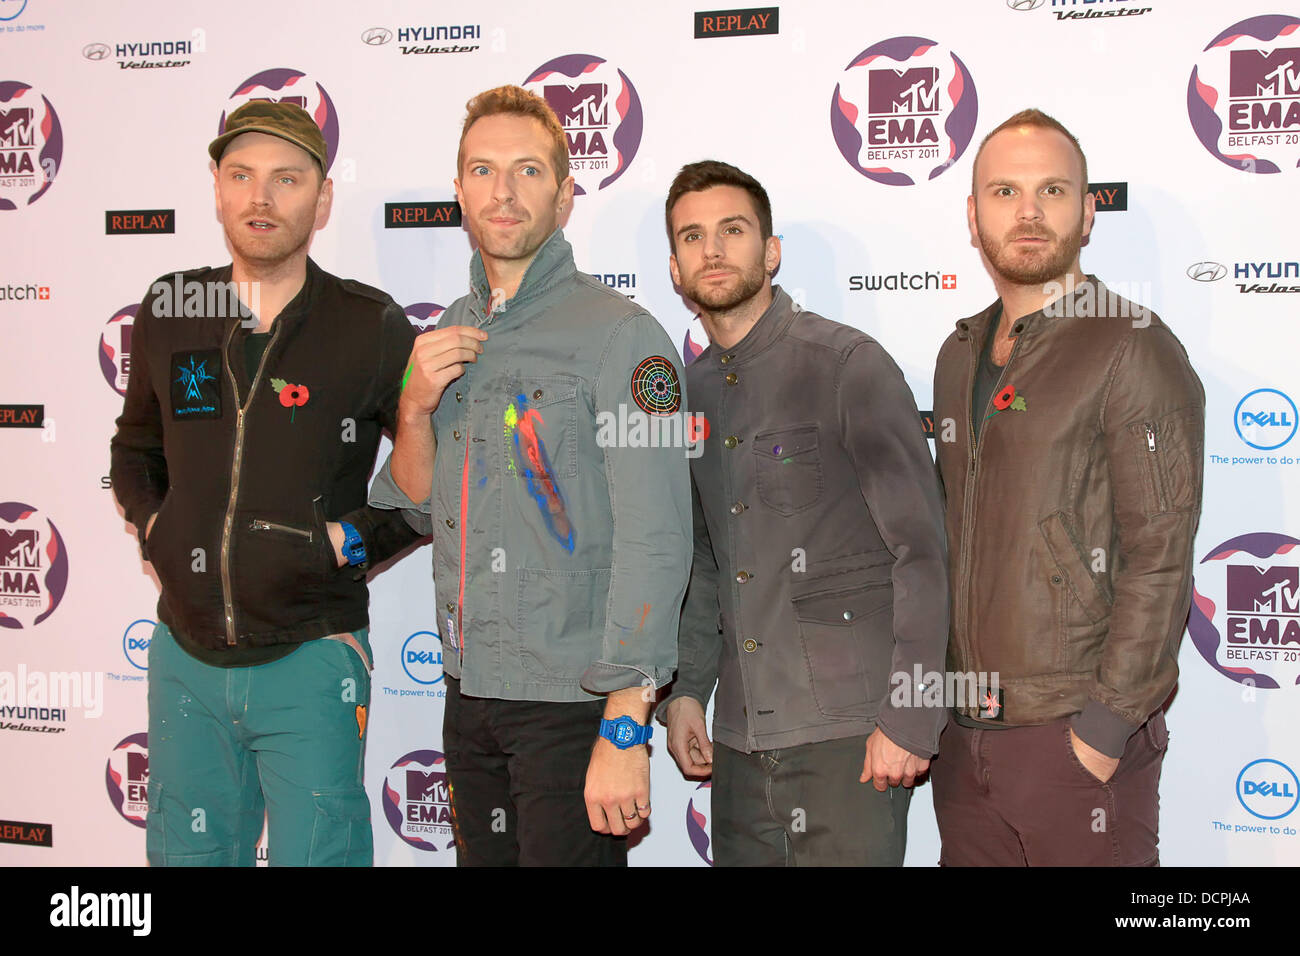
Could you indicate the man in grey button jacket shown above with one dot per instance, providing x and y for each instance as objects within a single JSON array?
[
  {"x": 560, "y": 552},
  {"x": 818, "y": 592}
]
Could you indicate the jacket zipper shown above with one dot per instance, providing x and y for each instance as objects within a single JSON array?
[
  {"x": 1157, "y": 479},
  {"x": 968, "y": 508},
  {"x": 464, "y": 515},
  {"x": 257, "y": 524},
  {"x": 228, "y": 525}
]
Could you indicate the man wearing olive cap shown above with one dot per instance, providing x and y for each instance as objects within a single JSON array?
[{"x": 257, "y": 396}]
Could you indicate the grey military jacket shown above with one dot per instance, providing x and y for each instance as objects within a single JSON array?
[
  {"x": 561, "y": 543},
  {"x": 818, "y": 590}
]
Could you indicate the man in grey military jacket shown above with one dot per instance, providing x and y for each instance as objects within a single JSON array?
[
  {"x": 818, "y": 592},
  {"x": 560, "y": 553}
]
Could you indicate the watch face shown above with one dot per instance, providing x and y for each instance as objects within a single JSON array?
[{"x": 624, "y": 731}]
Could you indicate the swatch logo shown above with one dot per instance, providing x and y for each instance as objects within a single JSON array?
[
  {"x": 735, "y": 23},
  {"x": 133, "y": 222}
]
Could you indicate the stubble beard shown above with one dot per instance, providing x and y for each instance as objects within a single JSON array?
[
  {"x": 721, "y": 300},
  {"x": 1025, "y": 267}
]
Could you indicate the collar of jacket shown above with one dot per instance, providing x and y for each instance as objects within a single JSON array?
[
  {"x": 552, "y": 264},
  {"x": 977, "y": 325},
  {"x": 771, "y": 325},
  {"x": 297, "y": 308}
]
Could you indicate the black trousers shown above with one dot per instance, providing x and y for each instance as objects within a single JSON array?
[
  {"x": 804, "y": 806},
  {"x": 517, "y": 770}
]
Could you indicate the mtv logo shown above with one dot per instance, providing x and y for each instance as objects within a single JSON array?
[
  {"x": 20, "y": 549},
  {"x": 903, "y": 91},
  {"x": 137, "y": 766},
  {"x": 579, "y": 107},
  {"x": 1253, "y": 590},
  {"x": 300, "y": 101},
  {"x": 424, "y": 787},
  {"x": 16, "y": 129},
  {"x": 1256, "y": 73}
]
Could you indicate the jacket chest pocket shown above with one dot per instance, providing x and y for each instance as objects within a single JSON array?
[
  {"x": 788, "y": 468},
  {"x": 840, "y": 619},
  {"x": 540, "y": 428}
]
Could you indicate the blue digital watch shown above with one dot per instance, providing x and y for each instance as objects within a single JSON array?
[
  {"x": 354, "y": 549},
  {"x": 624, "y": 732}
]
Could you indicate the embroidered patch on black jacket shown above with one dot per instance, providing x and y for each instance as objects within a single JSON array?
[{"x": 196, "y": 384}]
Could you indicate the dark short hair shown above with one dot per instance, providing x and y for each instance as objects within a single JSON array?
[
  {"x": 1031, "y": 117},
  {"x": 697, "y": 177}
]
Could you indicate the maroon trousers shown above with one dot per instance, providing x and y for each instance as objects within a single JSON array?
[{"x": 1020, "y": 797}]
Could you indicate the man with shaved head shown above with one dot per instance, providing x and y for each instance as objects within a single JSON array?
[{"x": 1070, "y": 432}]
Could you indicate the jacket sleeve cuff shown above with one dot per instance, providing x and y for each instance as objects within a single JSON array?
[
  {"x": 661, "y": 709},
  {"x": 915, "y": 729},
  {"x": 603, "y": 677},
  {"x": 1101, "y": 729},
  {"x": 386, "y": 495}
]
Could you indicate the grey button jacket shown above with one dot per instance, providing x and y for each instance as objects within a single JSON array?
[
  {"x": 819, "y": 590},
  {"x": 561, "y": 545}
]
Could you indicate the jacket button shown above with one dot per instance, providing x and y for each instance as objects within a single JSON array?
[
  {"x": 459, "y": 397},
  {"x": 743, "y": 576},
  {"x": 537, "y": 394},
  {"x": 750, "y": 645},
  {"x": 451, "y": 607},
  {"x": 451, "y": 523},
  {"x": 725, "y": 359},
  {"x": 732, "y": 378},
  {"x": 848, "y": 615},
  {"x": 738, "y": 507},
  {"x": 731, "y": 441},
  {"x": 456, "y": 435},
  {"x": 1056, "y": 579}
]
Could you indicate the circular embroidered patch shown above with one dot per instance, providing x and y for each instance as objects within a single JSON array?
[{"x": 655, "y": 387}]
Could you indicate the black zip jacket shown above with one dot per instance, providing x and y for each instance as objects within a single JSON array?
[{"x": 244, "y": 473}]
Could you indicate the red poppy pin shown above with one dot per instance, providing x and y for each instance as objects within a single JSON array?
[
  {"x": 1007, "y": 399},
  {"x": 291, "y": 396}
]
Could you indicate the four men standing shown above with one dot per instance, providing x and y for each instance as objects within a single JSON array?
[{"x": 817, "y": 587}]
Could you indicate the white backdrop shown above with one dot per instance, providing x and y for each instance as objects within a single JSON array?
[{"x": 110, "y": 107}]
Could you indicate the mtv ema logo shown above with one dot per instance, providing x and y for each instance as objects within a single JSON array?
[
  {"x": 698, "y": 811},
  {"x": 31, "y": 145},
  {"x": 127, "y": 777},
  {"x": 115, "y": 348},
  {"x": 423, "y": 316},
  {"x": 1243, "y": 97},
  {"x": 904, "y": 111},
  {"x": 33, "y": 566},
  {"x": 600, "y": 112},
  {"x": 290, "y": 86},
  {"x": 1245, "y": 617},
  {"x": 417, "y": 800}
]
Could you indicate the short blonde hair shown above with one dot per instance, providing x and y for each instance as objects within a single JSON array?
[{"x": 520, "y": 102}]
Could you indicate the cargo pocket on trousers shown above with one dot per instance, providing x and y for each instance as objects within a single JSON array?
[{"x": 340, "y": 834}]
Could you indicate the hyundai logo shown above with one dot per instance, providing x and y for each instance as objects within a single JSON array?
[
  {"x": 95, "y": 51},
  {"x": 1024, "y": 4},
  {"x": 1206, "y": 271},
  {"x": 376, "y": 36}
]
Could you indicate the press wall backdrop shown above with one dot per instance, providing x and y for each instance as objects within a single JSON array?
[{"x": 861, "y": 118}]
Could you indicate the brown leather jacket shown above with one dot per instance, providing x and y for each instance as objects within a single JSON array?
[{"x": 1070, "y": 524}]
